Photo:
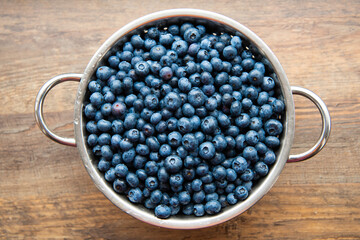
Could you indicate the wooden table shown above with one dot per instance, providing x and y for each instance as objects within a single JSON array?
[{"x": 45, "y": 192}]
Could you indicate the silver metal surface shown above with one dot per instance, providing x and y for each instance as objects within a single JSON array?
[
  {"x": 211, "y": 21},
  {"x": 39, "y": 102},
  {"x": 326, "y": 124}
]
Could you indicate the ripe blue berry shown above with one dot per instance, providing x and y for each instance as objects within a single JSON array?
[
  {"x": 273, "y": 127},
  {"x": 162, "y": 211},
  {"x": 241, "y": 193},
  {"x": 173, "y": 164},
  {"x": 135, "y": 195},
  {"x": 207, "y": 150},
  {"x": 212, "y": 207}
]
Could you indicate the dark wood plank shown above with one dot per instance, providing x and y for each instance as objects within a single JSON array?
[{"x": 45, "y": 191}]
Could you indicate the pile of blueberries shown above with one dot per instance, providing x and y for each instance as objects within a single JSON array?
[{"x": 182, "y": 120}]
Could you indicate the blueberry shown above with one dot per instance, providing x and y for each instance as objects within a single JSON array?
[
  {"x": 248, "y": 175},
  {"x": 124, "y": 66},
  {"x": 142, "y": 68},
  {"x": 151, "y": 183},
  {"x": 189, "y": 142},
  {"x": 209, "y": 125},
  {"x": 121, "y": 170},
  {"x": 126, "y": 56},
  {"x": 184, "y": 198},
  {"x": 180, "y": 47},
  {"x": 174, "y": 139},
  {"x": 202, "y": 55},
  {"x": 165, "y": 150},
  {"x": 269, "y": 157},
  {"x": 196, "y": 122},
  {"x": 252, "y": 137},
  {"x": 94, "y": 86},
  {"x": 207, "y": 150},
  {"x": 125, "y": 144},
  {"x": 201, "y": 112},
  {"x": 119, "y": 186},
  {"x": 243, "y": 120},
  {"x": 211, "y": 197},
  {"x": 128, "y": 156},
  {"x": 103, "y": 73},
  {"x": 141, "y": 174},
  {"x": 153, "y": 33},
  {"x": 273, "y": 127},
  {"x": 236, "y": 42},
  {"x": 176, "y": 180},
  {"x": 184, "y": 125},
  {"x": 118, "y": 109},
  {"x": 104, "y": 139},
  {"x": 221, "y": 79},
  {"x": 161, "y": 127},
  {"x": 261, "y": 148},
  {"x": 166, "y": 73},
  {"x": 151, "y": 168},
  {"x": 241, "y": 193},
  {"x": 278, "y": 106},
  {"x": 162, "y": 211},
  {"x": 188, "y": 174},
  {"x": 239, "y": 165},
  {"x": 272, "y": 142},
  {"x": 130, "y": 121},
  {"x": 255, "y": 77},
  {"x": 235, "y": 108},
  {"x": 265, "y": 111},
  {"x": 225, "y": 38},
  {"x": 200, "y": 137},
  {"x": 230, "y": 141},
  {"x": 263, "y": 98},
  {"x": 151, "y": 102},
  {"x": 212, "y": 207},
  {"x": 173, "y": 164},
  {"x": 268, "y": 84},
  {"x": 149, "y": 43},
  {"x": 188, "y": 209},
  {"x": 229, "y": 52},
  {"x": 193, "y": 49},
  {"x": 166, "y": 39},
  {"x": 157, "y": 52},
  {"x": 231, "y": 175},
  {"x": 219, "y": 173},
  {"x": 192, "y": 35},
  {"x": 184, "y": 84},
  {"x": 96, "y": 99},
  {"x": 248, "y": 185},
  {"x": 135, "y": 195},
  {"x": 92, "y": 140},
  {"x": 218, "y": 159},
  {"x": 103, "y": 165},
  {"x": 219, "y": 46},
  {"x": 90, "y": 111},
  {"x": 97, "y": 150},
  {"x": 172, "y": 101},
  {"x": 250, "y": 154},
  {"x": 206, "y": 66},
  {"x": 199, "y": 210},
  {"x": 231, "y": 199},
  {"x": 202, "y": 169},
  {"x": 261, "y": 168}
]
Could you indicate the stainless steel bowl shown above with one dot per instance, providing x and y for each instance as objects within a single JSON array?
[{"x": 213, "y": 21}]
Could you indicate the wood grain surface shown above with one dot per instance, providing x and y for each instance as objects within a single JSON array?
[{"x": 46, "y": 193}]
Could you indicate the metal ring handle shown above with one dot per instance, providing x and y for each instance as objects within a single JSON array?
[
  {"x": 40, "y": 98},
  {"x": 326, "y": 124}
]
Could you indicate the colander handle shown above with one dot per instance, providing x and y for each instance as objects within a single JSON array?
[
  {"x": 39, "y": 101},
  {"x": 326, "y": 124}
]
